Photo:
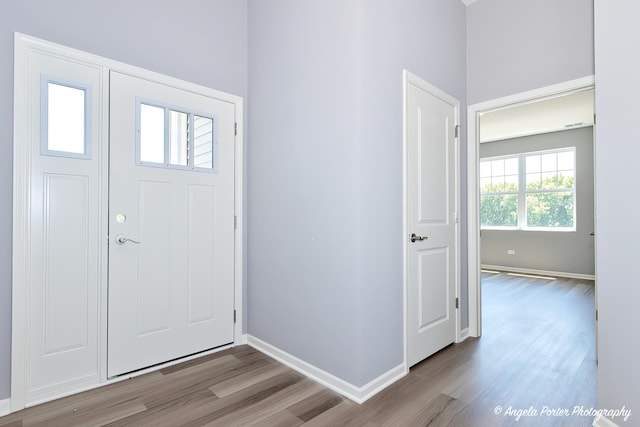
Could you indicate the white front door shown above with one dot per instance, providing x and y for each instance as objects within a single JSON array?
[
  {"x": 431, "y": 119},
  {"x": 171, "y": 224}
]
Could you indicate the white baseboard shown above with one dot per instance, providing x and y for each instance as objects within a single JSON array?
[
  {"x": 355, "y": 393},
  {"x": 602, "y": 421},
  {"x": 539, "y": 272},
  {"x": 242, "y": 340},
  {"x": 464, "y": 334},
  {"x": 5, "y": 407}
]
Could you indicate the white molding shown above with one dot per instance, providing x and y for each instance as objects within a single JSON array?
[
  {"x": 239, "y": 213},
  {"x": 409, "y": 78},
  {"x": 405, "y": 223},
  {"x": 468, "y": 2},
  {"x": 5, "y": 407},
  {"x": 24, "y": 46},
  {"x": 243, "y": 340},
  {"x": 602, "y": 421},
  {"x": 534, "y": 95},
  {"x": 539, "y": 272},
  {"x": 473, "y": 197},
  {"x": 355, "y": 393},
  {"x": 21, "y": 232},
  {"x": 464, "y": 334}
]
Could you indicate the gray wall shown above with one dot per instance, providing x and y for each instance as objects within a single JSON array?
[
  {"x": 303, "y": 269},
  {"x": 518, "y": 45},
  {"x": 162, "y": 36},
  {"x": 567, "y": 252},
  {"x": 617, "y": 203},
  {"x": 325, "y": 161}
]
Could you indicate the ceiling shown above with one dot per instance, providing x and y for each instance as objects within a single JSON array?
[{"x": 550, "y": 115}]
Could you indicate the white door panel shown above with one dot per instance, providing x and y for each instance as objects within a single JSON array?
[
  {"x": 171, "y": 283},
  {"x": 431, "y": 198}
]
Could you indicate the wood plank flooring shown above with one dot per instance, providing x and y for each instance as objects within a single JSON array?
[{"x": 537, "y": 349}]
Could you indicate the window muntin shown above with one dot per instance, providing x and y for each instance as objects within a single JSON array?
[
  {"x": 543, "y": 199},
  {"x": 65, "y": 119},
  {"x": 178, "y": 138},
  {"x": 173, "y": 137}
]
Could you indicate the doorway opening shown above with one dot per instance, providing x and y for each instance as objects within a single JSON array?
[{"x": 525, "y": 104}]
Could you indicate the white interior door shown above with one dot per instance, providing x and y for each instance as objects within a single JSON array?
[
  {"x": 431, "y": 219},
  {"x": 171, "y": 223}
]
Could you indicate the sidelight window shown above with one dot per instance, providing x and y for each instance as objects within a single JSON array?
[{"x": 65, "y": 119}]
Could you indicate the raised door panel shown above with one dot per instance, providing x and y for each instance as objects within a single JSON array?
[
  {"x": 201, "y": 259},
  {"x": 433, "y": 279},
  {"x": 433, "y": 180},
  {"x": 153, "y": 278}
]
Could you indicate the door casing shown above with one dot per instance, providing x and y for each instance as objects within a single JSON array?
[
  {"x": 410, "y": 78},
  {"x": 473, "y": 193},
  {"x": 24, "y": 46}
]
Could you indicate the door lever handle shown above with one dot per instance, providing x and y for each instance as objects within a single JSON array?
[
  {"x": 415, "y": 238},
  {"x": 121, "y": 239}
]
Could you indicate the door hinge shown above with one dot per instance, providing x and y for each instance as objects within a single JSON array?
[
  {"x": 594, "y": 118},
  {"x": 234, "y": 316},
  {"x": 456, "y": 215},
  {"x": 235, "y": 222},
  {"x": 235, "y": 128},
  {"x": 457, "y": 131},
  {"x": 457, "y": 302},
  {"x": 596, "y": 315}
]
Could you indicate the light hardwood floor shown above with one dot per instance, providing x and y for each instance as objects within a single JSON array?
[{"x": 537, "y": 350}]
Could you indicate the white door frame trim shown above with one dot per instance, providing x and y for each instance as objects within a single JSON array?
[
  {"x": 410, "y": 78},
  {"x": 24, "y": 46},
  {"x": 473, "y": 159}
]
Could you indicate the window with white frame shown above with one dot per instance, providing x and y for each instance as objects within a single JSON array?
[
  {"x": 175, "y": 138},
  {"x": 533, "y": 191}
]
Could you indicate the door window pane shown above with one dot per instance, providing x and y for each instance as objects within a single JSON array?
[
  {"x": 203, "y": 142},
  {"x": 173, "y": 137},
  {"x": 178, "y": 138},
  {"x": 66, "y": 128},
  {"x": 151, "y": 134}
]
